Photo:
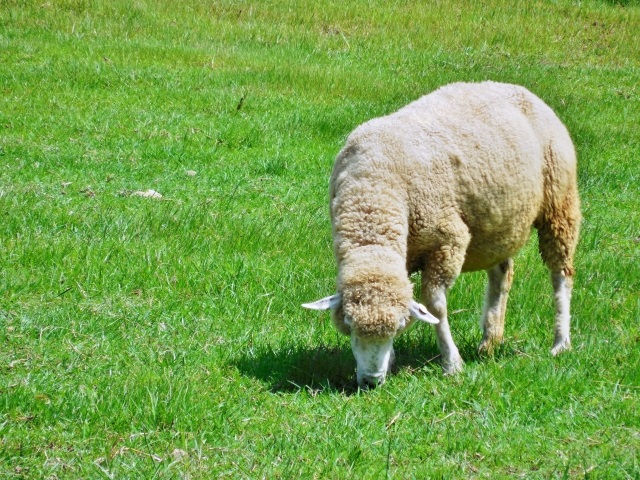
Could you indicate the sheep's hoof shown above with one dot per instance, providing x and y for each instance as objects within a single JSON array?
[
  {"x": 561, "y": 345},
  {"x": 452, "y": 366},
  {"x": 488, "y": 345}
]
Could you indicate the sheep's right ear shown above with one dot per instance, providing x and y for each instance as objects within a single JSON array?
[
  {"x": 328, "y": 303},
  {"x": 420, "y": 312}
]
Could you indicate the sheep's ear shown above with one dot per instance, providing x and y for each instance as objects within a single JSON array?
[
  {"x": 420, "y": 312},
  {"x": 327, "y": 303}
]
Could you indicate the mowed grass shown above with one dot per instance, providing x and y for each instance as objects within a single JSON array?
[{"x": 163, "y": 338}]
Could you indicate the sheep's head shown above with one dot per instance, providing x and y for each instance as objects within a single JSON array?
[{"x": 372, "y": 316}]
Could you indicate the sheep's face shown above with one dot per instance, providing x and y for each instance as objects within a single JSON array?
[
  {"x": 374, "y": 359},
  {"x": 372, "y": 327}
]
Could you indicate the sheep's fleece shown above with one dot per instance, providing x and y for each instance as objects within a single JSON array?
[{"x": 451, "y": 183}]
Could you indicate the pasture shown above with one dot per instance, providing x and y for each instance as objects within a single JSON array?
[{"x": 145, "y": 337}]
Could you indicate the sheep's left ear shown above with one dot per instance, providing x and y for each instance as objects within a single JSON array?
[
  {"x": 328, "y": 303},
  {"x": 420, "y": 312}
]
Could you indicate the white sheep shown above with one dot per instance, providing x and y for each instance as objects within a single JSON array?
[{"x": 451, "y": 183}]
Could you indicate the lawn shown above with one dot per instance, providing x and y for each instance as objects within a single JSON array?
[{"x": 162, "y": 337}]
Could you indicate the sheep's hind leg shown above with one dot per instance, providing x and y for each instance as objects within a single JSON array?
[
  {"x": 562, "y": 286},
  {"x": 558, "y": 231},
  {"x": 558, "y": 235},
  {"x": 495, "y": 305},
  {"x": 436, "y": 302}
]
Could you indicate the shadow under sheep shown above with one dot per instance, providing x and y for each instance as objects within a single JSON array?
[
  {"x": 292, "y": 368},
  {"x": 331, "y": 368}
]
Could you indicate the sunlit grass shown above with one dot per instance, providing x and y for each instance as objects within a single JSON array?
[{"x": 146, "y": 338}]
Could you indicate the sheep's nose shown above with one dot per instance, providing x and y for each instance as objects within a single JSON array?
[{"x": 371, "y": 381}]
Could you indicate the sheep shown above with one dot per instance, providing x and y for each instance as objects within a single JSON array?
[{"x": 451, "y": 183}]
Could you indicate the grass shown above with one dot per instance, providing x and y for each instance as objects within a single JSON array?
[{"x": 144, "y": 338}]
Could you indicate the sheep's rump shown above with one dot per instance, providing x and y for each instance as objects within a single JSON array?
[{"x": 477, "y": 161}]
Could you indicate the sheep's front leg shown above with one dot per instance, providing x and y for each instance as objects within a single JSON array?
[
  {"x": 436, "y": 302},
  {"x": 495, "y": 305}
]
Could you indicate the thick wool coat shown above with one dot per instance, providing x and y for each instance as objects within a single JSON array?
[{"x": 452, "y": 182}]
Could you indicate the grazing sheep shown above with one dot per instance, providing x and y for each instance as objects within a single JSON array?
[{"x": 451, "y": 183}]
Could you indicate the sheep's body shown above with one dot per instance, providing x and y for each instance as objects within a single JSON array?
[{"x": 453, "y": 182}]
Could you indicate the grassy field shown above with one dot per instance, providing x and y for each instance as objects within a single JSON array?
[{"x": 163, "y": 337}]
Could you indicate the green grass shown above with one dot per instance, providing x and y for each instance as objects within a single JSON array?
[{"x": 144, "y": 338}]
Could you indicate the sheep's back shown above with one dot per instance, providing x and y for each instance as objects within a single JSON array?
[{"x": 472, "y": 157}]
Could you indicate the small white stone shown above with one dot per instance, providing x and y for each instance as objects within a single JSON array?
[{"x": 148, "y": 194}]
